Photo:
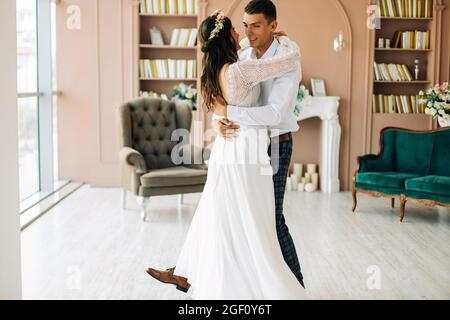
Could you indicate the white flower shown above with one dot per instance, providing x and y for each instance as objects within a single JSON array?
[{"x": 218, "y": 25}]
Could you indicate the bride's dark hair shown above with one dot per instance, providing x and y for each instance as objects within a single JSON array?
[{"x": 218, "y": 51}]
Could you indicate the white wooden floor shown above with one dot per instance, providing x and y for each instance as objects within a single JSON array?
[{"x": 88, "y": 248}]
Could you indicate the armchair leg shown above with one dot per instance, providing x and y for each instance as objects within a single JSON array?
[
  {"x": 393, "y": 203},
  {"x": 124, "y": 199},
  {"x": 402, "y": 207},
  {"x": 144, "y": 201},
  {"x": 355, "y": 201},
  {"x": 180, "y": 199}
]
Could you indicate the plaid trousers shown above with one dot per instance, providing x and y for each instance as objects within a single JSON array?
[{"x": 280, "y": 160}]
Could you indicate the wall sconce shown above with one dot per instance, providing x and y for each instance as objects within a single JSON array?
[{"x": 339, "y": 42}]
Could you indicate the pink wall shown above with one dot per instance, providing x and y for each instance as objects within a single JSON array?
[
  {"x": 98, "y": 77},
  {"x": 95, "y": 77}
]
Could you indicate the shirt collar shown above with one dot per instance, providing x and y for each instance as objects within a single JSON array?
[
  {"x": 272, "y": 49},
  {"x": 269, "y": 53}
]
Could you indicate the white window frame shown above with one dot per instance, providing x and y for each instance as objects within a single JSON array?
[{"x": 44, "y": 95}]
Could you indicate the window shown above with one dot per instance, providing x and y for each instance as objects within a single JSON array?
[{"x": 37, "y": 100}]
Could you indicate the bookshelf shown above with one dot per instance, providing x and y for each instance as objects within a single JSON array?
[
  {"x": 403, "y": 82},
  {"x": 176, "y": 15},
  {"x": 170, "y": 79},
  {"x": 403, "y": 113},
  {"x": 166, "y": 16},
  {"x": 166, "y": 46},
  {"x": 401, "y": 49}
]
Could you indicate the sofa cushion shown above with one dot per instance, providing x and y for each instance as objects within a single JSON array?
[
  {"x": 394, "y": 180},
  {"x": 427, "y": 196},
  {"x": 413, "y": 152},
  {"x": 173, "y": 177},
  {"x": 430, "y": 184},
  {"x": 152, "y": 123},
  {"x": 440, "y": 161}
]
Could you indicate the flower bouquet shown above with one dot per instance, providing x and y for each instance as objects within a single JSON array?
[
  {"x": 437, "y": 101},
  {"x": 187, "y": 93},
  {"x": 303, "y": 99}
]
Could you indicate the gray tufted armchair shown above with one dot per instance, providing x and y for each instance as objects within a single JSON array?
[{"x": 147, "y": 125}]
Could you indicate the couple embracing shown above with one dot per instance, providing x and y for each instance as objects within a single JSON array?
[{"x": 238, "y": 245}]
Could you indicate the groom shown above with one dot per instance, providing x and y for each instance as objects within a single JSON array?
[{"x": 277, "y": 101}]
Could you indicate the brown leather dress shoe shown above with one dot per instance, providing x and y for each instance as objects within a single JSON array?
[{"x": 168, "y": 277}]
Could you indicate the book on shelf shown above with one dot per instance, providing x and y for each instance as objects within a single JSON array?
[
  {"x": 397, "y": 104},
  {"x": 169, "y": 7},
  {"x": 184, "y": 37},
  {"x": 406, "y": 8},
  {"x": 411, "y": 40},
  {"x": 391, "y": 72},
  {"x": 152, "y": 94},
  {"x": 167, "y": 69}
]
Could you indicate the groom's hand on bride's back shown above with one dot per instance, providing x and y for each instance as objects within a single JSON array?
[{"x": 226, "y": 129}]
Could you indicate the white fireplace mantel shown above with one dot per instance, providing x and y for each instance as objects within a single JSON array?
[{"x": 326, "y": 108}]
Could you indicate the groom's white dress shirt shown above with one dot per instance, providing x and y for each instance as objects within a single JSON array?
[{"x": 277, "y": 100}]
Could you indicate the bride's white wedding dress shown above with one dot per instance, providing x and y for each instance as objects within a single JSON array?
[{"x": 232, "y": 250}]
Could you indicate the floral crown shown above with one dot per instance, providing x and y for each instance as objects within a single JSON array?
[{"x": 220, "y": 17}]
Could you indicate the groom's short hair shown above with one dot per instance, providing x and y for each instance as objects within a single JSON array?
[{"x": 265, "y": 7}]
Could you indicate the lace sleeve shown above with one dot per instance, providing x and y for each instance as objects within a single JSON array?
[{"x": 244, "y": 75}]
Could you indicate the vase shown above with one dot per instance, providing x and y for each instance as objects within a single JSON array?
[{"x": 444, "y": 122}]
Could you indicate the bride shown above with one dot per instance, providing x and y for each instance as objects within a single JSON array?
[{"x": 231, "y": 250}]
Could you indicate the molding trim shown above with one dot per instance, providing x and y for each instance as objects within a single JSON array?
[
  {"x": 98, "y": 87},
  {"x": 438, "y": 9},
  {"x": 122, "y": 71},
  {"x": 367, "y": 127},
  {"x": 202, "y": 115},
  {"x": 349, "y": 76}
]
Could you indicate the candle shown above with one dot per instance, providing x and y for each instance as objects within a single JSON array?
[
  {"x": 307, "y": 177},
  {"x": 294, "y": 179},
  {"x": 301, "y": 187},
  {"x": 315, "y": 180},
  {"x": 303, "y": 180},
  {"x": 288, "y": 184},
  {"x": 294, "y": 185},
  {"x": 311, "y": 168},
  {"x": 309, "y": 187},
  {"x": 298, "y": 169}
]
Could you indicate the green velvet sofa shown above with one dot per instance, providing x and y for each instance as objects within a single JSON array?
[{"x": 412, "y": 166}]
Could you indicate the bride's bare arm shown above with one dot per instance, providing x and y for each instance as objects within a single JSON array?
[{"x": 220, "y": 110}]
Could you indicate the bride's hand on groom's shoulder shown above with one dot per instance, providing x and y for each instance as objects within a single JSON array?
[{"x": 279, "y": 34}]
